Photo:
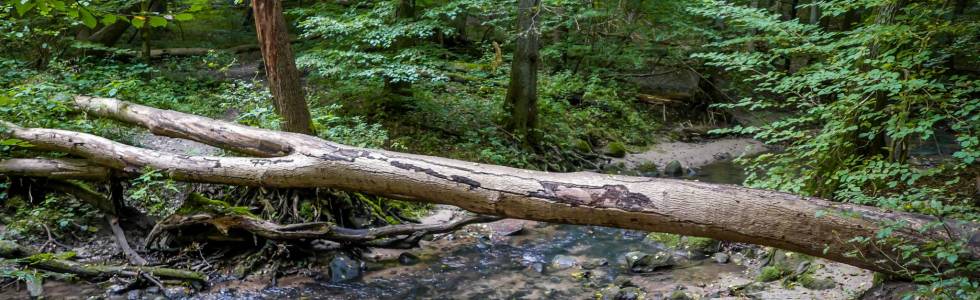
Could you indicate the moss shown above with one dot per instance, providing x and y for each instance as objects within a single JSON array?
[
  {"x": 699, "y": 244},
  {"x": 770, "y": 273},
  {"x": 679, "y": 295},
  {"x": 647, "y": 168},
  {"x": 616, "y": 149},
  {"x": 812, "y": 282},
  {"x": 196, "y": 203},
  {"x": 376, "y": 210},
  {"x": 667, "y": 239},
  {"x": 684, "y": 242},
  {"x": 582, "y": 146}
]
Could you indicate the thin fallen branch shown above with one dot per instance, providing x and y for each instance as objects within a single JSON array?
[{"x": 27, "y": 258}]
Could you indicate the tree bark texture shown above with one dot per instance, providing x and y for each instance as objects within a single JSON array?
[
  {"x": 804, "y": 224},
  {"x": 288, "y": 96},
  {"x": 522, "y": 92}
]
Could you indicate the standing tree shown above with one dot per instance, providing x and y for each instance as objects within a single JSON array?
[
  {"x": 288, "y": 96},
  {"x": 522, "y": 95}
]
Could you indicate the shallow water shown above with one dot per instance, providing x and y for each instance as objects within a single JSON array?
[{"x": 477, "y": 263}]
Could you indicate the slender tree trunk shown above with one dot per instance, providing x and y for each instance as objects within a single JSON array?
[
  {"x": 145, "y": 33},
  {"x": 885, "y": 15},
  {"x": 814, "y": 13},
  {"x": 522, "y": 93},
  {"x": 405, "y": 10},
  {"x": 789, "y": 16},
  {"x": 288, "y": 160},
  {"x": 750, "y": 45},
  {"x": 285, "y": 84}
]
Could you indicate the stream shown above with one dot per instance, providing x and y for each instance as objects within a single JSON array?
[
  {"x": 543, "y": 260},
  {"x": 511, "y": 259}
]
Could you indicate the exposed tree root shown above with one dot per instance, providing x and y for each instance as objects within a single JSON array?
[
  {"x": 104, "y": 204},
  {"x": 388, "y": 235},
  {"x": 123, "y": 243}
]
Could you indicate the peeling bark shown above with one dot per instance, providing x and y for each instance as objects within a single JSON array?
[{"x": 804, "y": 224}]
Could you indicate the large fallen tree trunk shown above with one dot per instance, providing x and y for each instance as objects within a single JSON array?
[{"x": 808, "y": 225}]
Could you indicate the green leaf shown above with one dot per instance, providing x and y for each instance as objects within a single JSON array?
[
  {"x": 22, "y": 8},
  {"x": 57, "y": 4},
  {"x": 183, "y": 17},
  {"x": 108, "y": 19},
  {"x": 138, "y": 21},
  {"x": 158, "y": 21},
  {"x": 87, "y": 18}
]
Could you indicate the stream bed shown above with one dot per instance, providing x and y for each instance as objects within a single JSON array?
[
  {"x": 515, "y": 259},
  {"x": 518, "y": 259}
]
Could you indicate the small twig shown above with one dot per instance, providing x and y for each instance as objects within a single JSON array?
[{"x": 154, "y": 280}]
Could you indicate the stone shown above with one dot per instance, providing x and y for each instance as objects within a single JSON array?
[
  {"x": 721, "y": 258},
  {"x": 407, "y": 259},
  {"x": 812, "y": 282},
  {"x": 674, "y": 169},
  {"x": 343, "y": 269},
  {"x": 669, "y": 82},
  {"x": 679, "y": 295},
  {"x": 648, "y": 169},
  {"x": 642, "y": 262},
  {"x": 508, "y": 227},
  {"x": 561, "y": 262},
  {"x": 537, "y": 267},
  {"x": 630, "y": 293},
  {"x": 595, "y": 263}
]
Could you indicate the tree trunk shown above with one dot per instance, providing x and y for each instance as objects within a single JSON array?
[
  {"x": 285, "y": 85},
  {"x": 814, "y": 13},
  {"x": 522, "y": 93},
  {"x": 750, "y": 45},
  {"x": 405, "y": 10},
  {"x": 808, "y": 225},
  {"x": 885, "y": 15}
]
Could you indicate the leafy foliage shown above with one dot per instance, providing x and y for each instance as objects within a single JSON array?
[{"x": 889, "y": 81}]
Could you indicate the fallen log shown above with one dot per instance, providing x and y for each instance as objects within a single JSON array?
[
  {"x": 201, "y": 51},
  {"x": 53, "y": 168},
  {"x": 279, "y": 159}
]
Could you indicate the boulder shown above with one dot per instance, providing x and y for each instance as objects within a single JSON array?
[
  {"x": 561, "y": 262},
  {"x": 721, "y": 258},
  {"x": 407, "y": 259},
  {"x": 343, "y": 269},
  {"x": 674, "y": 169},
  {"x": 669, "y": 83},
  {"x": 642, "y": 262}
]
